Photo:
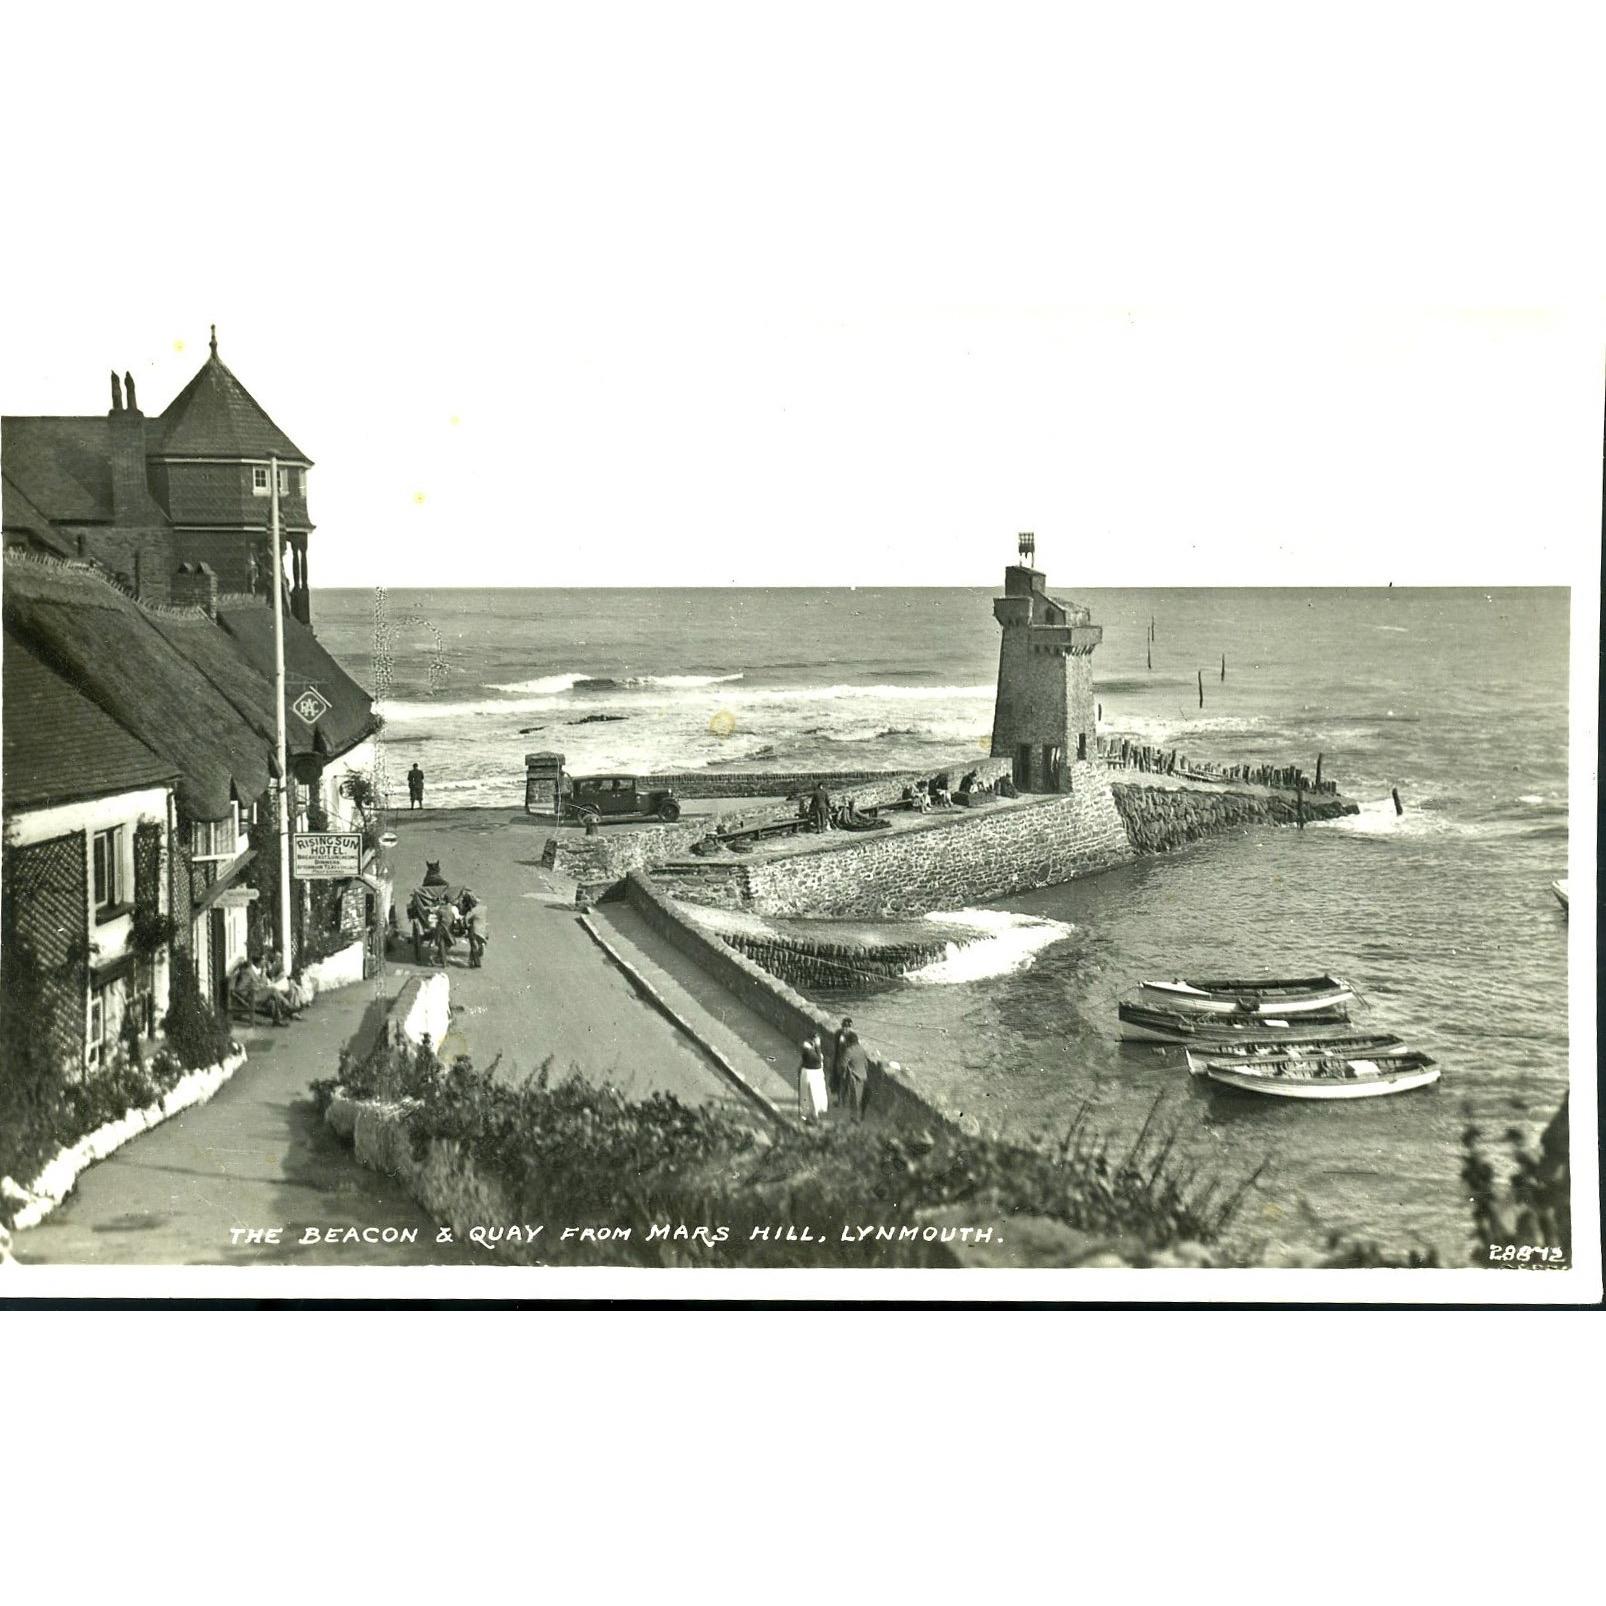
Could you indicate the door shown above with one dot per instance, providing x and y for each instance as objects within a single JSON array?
[
  {"x": 218, "y": 944},
  {"x": 1022, "y": 774}
]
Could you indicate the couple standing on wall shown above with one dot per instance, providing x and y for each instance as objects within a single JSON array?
[{"x": 849, "y": 1074}]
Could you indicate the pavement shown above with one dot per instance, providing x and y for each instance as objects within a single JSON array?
[{"x": 256, "y": 1155}]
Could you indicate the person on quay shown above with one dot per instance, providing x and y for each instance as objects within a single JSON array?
[
  {"x": 838, "y": 1042},
  {"x": 855, "y": 1074},
  {"x": 415, "y": 786},
  {"x": 820, "y": 807},
  {"x": 812, "y": 1099}
]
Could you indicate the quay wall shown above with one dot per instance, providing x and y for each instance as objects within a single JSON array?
[
  {"x": 888, "y": 1095},
  {"x": 867, "y": 786},
  {"x": 821, "y": 966},
  {"x": 598, "y": 863},
  {"x": 967, "y": 859},
  {"x": 1160, "y": 819}
]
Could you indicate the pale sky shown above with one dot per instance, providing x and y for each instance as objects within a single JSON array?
[{"x": 684, "y": 294}]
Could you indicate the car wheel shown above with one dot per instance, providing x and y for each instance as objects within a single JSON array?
[
  {"x": 588, "y": 816},
  {"x": 668, "y": 810}
]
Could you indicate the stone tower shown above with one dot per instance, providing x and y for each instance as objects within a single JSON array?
[{"x": 1044, "y": 717}]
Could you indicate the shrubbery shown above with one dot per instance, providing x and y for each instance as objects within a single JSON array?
[
  {"x": 196, "y": 1032},
  {"x": 571, "y": 1151}
]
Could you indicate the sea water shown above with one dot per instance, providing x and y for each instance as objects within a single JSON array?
[{"x": 1442, "y": 917}]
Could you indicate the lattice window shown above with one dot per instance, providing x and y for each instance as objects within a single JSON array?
[
  {"x": 148, "y": 866},
  {"x": 49, "y": 889}
]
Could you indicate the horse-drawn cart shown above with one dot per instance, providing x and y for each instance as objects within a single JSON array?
[{"x": 441, "y": 915}]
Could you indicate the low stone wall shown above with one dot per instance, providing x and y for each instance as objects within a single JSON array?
[
  {"x": 801, "y": 962},
  {"x": 28, "y": 1204},
  {"x": 1159, "y": 819},
  {"x": 341, "y": 969},
  {"x": 887, "y": 784},
  {"x": 771, "y": 999},
  {"x": 957, "y": 861}
]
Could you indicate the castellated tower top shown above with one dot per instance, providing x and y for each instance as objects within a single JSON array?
[{"x": 1044, "y": 717}]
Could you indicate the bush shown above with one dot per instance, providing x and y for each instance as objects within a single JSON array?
[
  {"x": 33, "y": 1087},
  {"x": 196, "y": 1032},
  {"x": 570, "y": 1150},
  {"x": 1533, "y": 1209}
]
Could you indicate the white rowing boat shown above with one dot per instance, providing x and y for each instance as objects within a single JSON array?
[
  {"x": 1324, "y": 1076},
  {"x": 1302, "y": 995},
  {"x": 1560, "y": 889}
]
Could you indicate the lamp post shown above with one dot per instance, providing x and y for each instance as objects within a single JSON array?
[{"x": 279, "y": 718}]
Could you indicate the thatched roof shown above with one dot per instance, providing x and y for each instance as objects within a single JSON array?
[
  {"x": 59, "y": 746},
  {"x": 249, "y": 622},
  {"x": 141, "y": 665}
]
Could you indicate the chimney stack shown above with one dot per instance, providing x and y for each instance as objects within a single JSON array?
[
  {"x": 130, "y": 487},
  {"x": 195, "y": 586}
]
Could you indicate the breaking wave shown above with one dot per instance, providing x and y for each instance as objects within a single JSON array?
[
  {"x": 1007, "y": 943},
  {"x": 556, "y": 685}
]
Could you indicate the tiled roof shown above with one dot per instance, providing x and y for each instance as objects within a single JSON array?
[
  {"x": 249, "y": 621},
  {"x": 84, "y": 627},
  {"x": 216, "y": 416},
  {"x": 59, "y": 746}
]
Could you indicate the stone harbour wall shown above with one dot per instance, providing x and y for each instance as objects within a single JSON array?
[
  {"x": 1160, "y": 819},
  {"x": 888, "y": 1097},
  {"x": 955, "y": 862},
  {"x": 600, "y": 862},
  {"x": 820, "y": 966}
]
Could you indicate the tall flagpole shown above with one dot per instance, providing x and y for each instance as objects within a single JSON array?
[{"x": 278, "y": 720}]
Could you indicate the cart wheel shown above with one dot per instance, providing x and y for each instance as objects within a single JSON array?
[{"x": 668, "y": 810}]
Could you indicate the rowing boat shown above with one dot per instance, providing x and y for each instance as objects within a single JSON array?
[
  {"x": 1330, "y": 1076},
  {"x": 1142, "y": 1024},
  {"x": 1304, "y": 995},
  {"x": 1560, "y": 889},
  {"x": 1347, "y": 1045}
]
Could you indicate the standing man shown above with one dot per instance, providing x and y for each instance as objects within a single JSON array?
[
  {"x": 855, "y": 1073},
  {"x": 839, "y": 1042},
  {"x": 415, "y": 786}
]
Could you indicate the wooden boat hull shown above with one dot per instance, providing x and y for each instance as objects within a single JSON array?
[
  {"x": 1299, "y": 1082},
  {"x": 1560, "y": 889},
  {"x": 1315, "y": 995},
  {"x": 1141, "y": 1024},
  {"x": 1363, "y": 1045}
]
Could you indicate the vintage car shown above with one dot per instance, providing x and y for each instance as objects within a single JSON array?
[{"x": 611, "y": 799}]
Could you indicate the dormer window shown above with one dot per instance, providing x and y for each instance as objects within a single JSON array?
[{"x": 259, "y": 482}]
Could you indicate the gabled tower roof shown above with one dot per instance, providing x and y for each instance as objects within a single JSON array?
[{"x": 216, "y": 416}]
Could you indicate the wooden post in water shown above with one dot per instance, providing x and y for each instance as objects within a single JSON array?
[
  {"x": 1201, "y": 688},
  {"x": 1223, "y": 666},
  {"x": 1299, "y": 807},
  {"x": 1399, "y": 807},
  {"x": 1318, "y": 771},
  {"x": 1148, "y": 657}
]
